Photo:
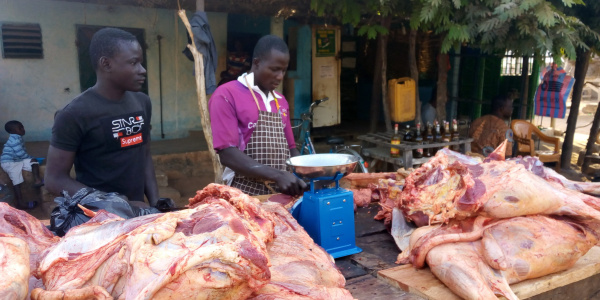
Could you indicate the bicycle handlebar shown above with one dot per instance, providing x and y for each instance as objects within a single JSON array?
[{"x": 317, "y": 102}]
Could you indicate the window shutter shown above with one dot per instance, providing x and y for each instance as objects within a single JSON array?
[{"x": 22, "y": 41}]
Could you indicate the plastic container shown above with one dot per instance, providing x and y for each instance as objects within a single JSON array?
[{"x": 401, "y": 96}]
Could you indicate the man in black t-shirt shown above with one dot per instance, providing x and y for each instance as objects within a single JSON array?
[{"x": 105, "y": 131}]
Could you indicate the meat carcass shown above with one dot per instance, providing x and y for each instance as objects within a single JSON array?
[
  {"x": 201, "y": 253},
  {"x": 300, "y": 269},
  {"x": 509, "y": 252},
  {"x": 29, "y": 229},
  {"x": 448, "y": 187},
  {"x": 14, "y": 267}
]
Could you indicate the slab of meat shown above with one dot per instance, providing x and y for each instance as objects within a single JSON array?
[
  {"x": 362, "y": 197},
  {"x": 509, "y": 252},
  {"x": 448, "y": 187},
  {"x": 300, "y": 269},
  {"x": 26, "y": 227},
  {"x": 14, "y": 267},
  {"x": 201, "y": 253}
]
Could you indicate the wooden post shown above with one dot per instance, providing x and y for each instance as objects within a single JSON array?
[
  {"x": 479, "y": 87},
  {"x": 202, "y": 101},
  {"x": 441, "y": 96}
]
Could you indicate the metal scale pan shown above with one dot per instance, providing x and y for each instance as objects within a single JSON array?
[{"x": 327, "y": 214}]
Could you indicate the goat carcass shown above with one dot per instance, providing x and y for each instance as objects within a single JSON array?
[{"x": 509, "y": 252}]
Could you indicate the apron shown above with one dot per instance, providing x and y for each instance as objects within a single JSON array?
[{"x": 267, "y": 146}]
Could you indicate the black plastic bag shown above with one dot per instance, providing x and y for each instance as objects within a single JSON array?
[{"x": 68, "y": 215}]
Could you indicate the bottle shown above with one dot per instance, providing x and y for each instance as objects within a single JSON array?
[
  {"x": 395, "y": 152},
  {"x": 438, "y": 135},
  {"x": 455, "y": 135},
  {"x": 446, "y": 136},
  {"x": 428, "y": 140},
  {"x": 418, "y": 139},
  {"x": 408, "y": 135}
]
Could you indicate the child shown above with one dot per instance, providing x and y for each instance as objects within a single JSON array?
[{"x": 14, "y": 159}]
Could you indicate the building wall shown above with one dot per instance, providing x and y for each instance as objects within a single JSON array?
[{"x": 32, "y": 90}]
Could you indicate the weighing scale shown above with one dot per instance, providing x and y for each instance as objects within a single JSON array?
[{"x": 326, "y": 212}]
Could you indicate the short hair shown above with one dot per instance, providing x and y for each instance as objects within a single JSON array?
[
  {"x": 11, "y": 126},
  {"x": 499, "y": 101},
  {"x": 267, "y": 43},
  {"x": 106, "y": 41}
]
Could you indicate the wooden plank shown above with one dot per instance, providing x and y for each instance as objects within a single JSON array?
[{"x": 423, "y": 283}]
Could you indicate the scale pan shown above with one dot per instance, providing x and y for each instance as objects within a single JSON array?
[{"x": 325, "y": 165}]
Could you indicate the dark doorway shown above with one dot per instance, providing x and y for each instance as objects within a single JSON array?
[{"x": 87, "y": 75}]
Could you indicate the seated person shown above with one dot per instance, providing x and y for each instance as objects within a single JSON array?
[
  {"x": 238, "y": 63},
  {"x": 489, "y": 131},
  {"x": 15, "y": 159}
]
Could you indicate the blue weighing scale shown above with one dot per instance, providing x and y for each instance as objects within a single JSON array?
[{"x": 327, "y": 215}]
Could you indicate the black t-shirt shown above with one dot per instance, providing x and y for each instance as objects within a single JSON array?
[{"x": 110, "y": 139}]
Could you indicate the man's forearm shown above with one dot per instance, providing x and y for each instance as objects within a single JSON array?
[{"x": 150, "y": 185}]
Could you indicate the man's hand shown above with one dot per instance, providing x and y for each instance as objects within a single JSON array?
[
  {"x": 290, "y": 184},
  {"x": 165, "y": 204}
]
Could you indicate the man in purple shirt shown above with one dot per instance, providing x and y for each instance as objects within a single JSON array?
[{"x": 251, "y": 125}]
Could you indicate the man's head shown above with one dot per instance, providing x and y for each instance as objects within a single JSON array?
[
  {"x": 270, "y": 62},
  {"x": 117, "y": 57},
  {"x": 14, "y": 127},
  {"x": 502, "y": 107}
]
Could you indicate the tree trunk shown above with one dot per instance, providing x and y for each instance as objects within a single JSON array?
[
  {"x": 581, "y": 67},
  {"x": 524, "y": 88},
  {"x": 385, "y": 22},
  {"x": 376, "y": 90},
  {"x": 442, "y": 86},
  {"x": 589, "y": 148},
  {"x": 414, "y": 71}
]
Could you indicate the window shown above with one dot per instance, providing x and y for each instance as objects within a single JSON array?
[
  {"x": 512, "y": 64},
  {"x": 22, "y": 41}
]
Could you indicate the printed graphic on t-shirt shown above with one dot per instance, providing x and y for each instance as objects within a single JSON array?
[{"x": 126, "y": 130}]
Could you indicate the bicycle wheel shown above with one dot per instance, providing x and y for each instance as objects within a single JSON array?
[{"x": 360, "y": 167}]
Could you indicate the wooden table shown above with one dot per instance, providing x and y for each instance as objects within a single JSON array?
[
  {"x": 423, "y": 283},
  {"x": 376, "y": 146}
]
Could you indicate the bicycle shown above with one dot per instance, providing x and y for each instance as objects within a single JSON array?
[{"x": 301, "y": 129}]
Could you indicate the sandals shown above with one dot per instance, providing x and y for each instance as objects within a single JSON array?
[
  {"x": 37, "y": 185},
  {"x": 29, "y": 205}
]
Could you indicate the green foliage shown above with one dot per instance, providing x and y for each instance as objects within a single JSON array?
[
  {"x": 526, "y": 27},
  {"x": 364, "y": 14}
]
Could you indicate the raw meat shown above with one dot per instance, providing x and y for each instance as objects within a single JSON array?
[
  {"x": 362, "y": 197},
  {"x": 14, "y": 267},
  {"x": 447, "y": 187},
  {"x": 226, "y": 246},
  {"x": 24, "y": 226},
  {"x": 300, "y": 269},
  {"x": 509, "y": 252},
  {"x": 200, "y": 253},
  {"x": 387, "y": 191}
]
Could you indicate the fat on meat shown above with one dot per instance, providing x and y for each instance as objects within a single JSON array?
[
  {"x": 508, "y": 252},
  {"x": 14, "y": 267},
  {"x": 206, "y": 252}
]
